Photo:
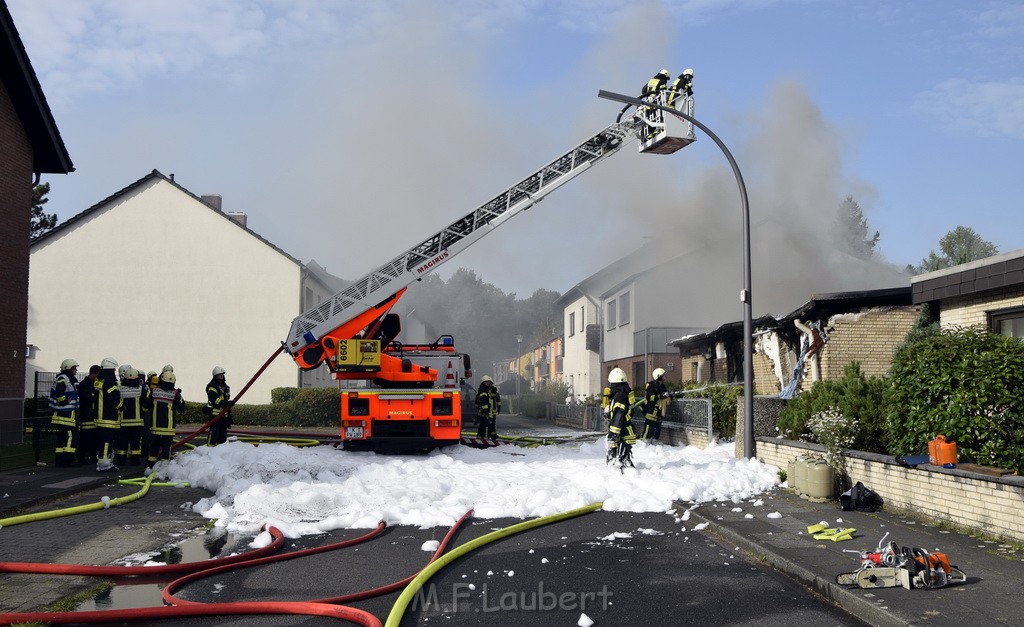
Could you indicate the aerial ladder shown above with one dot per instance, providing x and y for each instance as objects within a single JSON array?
[{"x": 353, "y": 331}]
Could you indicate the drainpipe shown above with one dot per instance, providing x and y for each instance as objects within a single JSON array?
[{"x": 812, "y": 350}]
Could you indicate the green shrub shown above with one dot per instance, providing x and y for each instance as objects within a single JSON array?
[
  {"x": 533, "y": 405},
  {"x": 316, "y": 407},
  {"x": 854, "y": 396},
  {"x": 283, "y": 395},
  {"x": 723, "y": 408},
  {"x": 964, "y": 383}
]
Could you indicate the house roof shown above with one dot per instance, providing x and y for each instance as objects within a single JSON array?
[
  {"x": 991, "y": 273},
  {"x": 155, "y": 174},
  {"x": 819, "y": 306},
  {"x": 728, "y": 331},
  {"x": 330, "y": 282},
  {"x": 19, "y": 79}
]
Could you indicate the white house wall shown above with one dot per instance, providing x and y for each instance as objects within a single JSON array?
[
  {"x": 581, "y": 368},
  {"x": 157, "y": 277},
  {"x": 618, "y": 338}
]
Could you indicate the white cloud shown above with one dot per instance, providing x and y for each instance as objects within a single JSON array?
[
  {"x": 1001, "y": 21},
  {"x": 986, "y": 107}
]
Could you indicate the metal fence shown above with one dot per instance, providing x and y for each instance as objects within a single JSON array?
[
  {"x": 587, "y": 416},
  {"x": 694, "y": 413}
]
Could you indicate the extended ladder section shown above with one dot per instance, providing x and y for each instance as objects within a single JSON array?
[{"x": 384, "y": 282}]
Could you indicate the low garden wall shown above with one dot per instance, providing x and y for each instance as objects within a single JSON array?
[{"x": 991, "y": 505}]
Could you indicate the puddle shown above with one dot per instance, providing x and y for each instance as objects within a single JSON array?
[{"x": 136, "y": 592}]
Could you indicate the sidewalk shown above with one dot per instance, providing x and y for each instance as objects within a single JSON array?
[
  {"x": 995, "y": 570},
  {"x": 21, "y": 488}
]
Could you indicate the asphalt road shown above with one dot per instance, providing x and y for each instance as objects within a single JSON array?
[{"x": 618, "y": 568}]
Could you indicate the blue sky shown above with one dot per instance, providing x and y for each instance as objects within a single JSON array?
[{"x": 349, "y": 131}]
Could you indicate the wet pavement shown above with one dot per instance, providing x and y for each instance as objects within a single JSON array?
[{"x": 719, "y": 563}]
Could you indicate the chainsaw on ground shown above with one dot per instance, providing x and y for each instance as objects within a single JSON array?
[{"x": 890, "y": 566}]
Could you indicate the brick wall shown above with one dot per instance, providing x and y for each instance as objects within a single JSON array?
[
  {"x": 973, "y": 310},
  {"x": 987, "y": 504},
  {"x": 870, "y": 338},
  {"x": 15, "y": 201}
]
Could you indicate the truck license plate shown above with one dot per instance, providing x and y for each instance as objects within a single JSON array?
[{"x": 353, "y": 433}]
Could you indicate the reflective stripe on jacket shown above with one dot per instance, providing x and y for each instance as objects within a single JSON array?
[{"x": 64, "y": 401}]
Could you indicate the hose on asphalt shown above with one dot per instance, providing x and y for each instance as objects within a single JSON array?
[
  {"x": 407, "y": 595},
  {"x": 143, "y": 571},
  {"x": 169, "y": 589},
  {"x": 190, "y": 609},
  {"x": 80, "y": 509}
]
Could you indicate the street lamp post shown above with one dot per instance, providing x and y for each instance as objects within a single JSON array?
[
  {"x": 745, "y": 295},
  {"x": 519, "y": 341}
]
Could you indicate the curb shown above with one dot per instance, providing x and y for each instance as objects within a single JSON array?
[{"x": 845, "y": 599}]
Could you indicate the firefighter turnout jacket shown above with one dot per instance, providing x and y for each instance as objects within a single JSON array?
[{"x": 64, "y": 401}]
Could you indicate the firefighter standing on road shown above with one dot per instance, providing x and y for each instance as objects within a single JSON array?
[
  {"x": 64, "y": 403},
  {"x": 655, "y": 404},
  {"x": 87, "y": 417},
  {"x": 488, "y": 404},
  {"x": 218, "y": 396},
  {"x": 135, "y": 402},
  {"x": 621, "y": 437},
  {"x": 167, "y": 404},
  {"x": 108, "y": 414}
]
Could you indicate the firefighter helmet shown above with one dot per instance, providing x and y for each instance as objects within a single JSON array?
[
  {"x": 108, "y": 363},
  {"x": 168, "y": 368},
  {"x": 486, "y": 379},
  {"x": 658, "y": 373},
  {"x": 617, "y": 375},
  {"x": 130, "y": 373},
  {"x": 663, "y": 71},
  {"x": 122, "y": 369},
  {"x": 688, "y": 72},
  {"x": 217, "y": 370},
  {"x": 68, "y": 364},
  {"x": 168, "y": 377}
]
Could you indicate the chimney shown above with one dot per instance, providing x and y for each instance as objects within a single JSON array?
[
  {"x": 237, "y": 216},
  {"x": 213, "y": 200}
]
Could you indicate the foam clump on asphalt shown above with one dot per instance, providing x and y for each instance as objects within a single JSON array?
[{"x": 312, "y": 490}]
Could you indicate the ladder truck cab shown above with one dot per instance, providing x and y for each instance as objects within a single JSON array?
[{"x": 409, "y": 398}]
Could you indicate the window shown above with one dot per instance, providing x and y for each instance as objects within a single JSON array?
[
  {"x": 572, "y": 324},
  {"x": 1008, "y": 322},
  {"x": 624, "y": 308},
  {"x": 610, "y": 323}
]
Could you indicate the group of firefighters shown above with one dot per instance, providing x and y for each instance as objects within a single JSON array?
[
  {"x": 618, "y": 402},
  {"x": 116, "y": 415}
]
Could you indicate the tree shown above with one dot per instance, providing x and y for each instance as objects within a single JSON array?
[
  {"x": 41, "y": 222},
  {"x": 484, "y": 319},
  {"x": 851, "y": 229},
  {"x": 960, "y": 245}
]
